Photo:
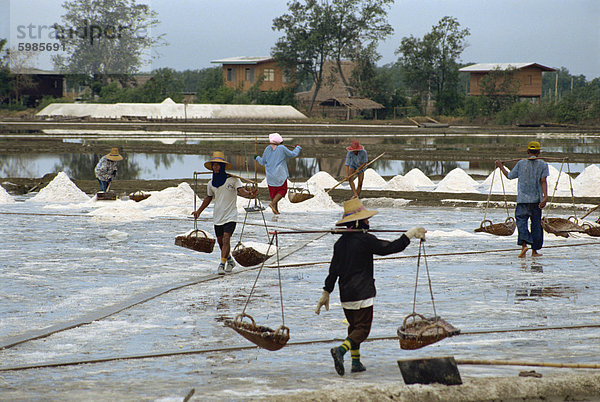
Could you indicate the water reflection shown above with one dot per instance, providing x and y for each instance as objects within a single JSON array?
[{"x": 81, "y": 167}]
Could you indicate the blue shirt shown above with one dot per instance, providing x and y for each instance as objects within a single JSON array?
[
  {"x": 529, "y": 172},
  {"x": 274, "y": 161},
  {"x": 354, "y": 161}
]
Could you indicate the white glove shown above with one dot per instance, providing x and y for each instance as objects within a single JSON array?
[
  {"x": 419, "y": 233},
  {"x": 323, "y": 301}
]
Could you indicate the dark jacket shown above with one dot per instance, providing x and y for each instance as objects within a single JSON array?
[{"x": 352, "y": 263}]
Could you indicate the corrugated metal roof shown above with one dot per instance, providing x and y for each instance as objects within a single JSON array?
[
  {"x": 243, "y": 60},
  {"x": 482, "y": 67}
]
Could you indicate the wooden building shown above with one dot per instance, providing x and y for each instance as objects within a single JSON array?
[
  {"x": 528, "y": 76},
  {"x": 334, "y": 98},
  {"x": 244, "y": 72},
  {"x": 40, "y": 83}
]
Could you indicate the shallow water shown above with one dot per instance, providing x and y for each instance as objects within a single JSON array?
[{"x": 58, "y": 264}]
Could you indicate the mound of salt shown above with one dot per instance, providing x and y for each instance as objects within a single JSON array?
[
  {"x": 373, "y": 180},
  {"x": 181, "y": 196},
  {"x": 510, "y": 186},
  {"x": 61, "y": 189},
  {"x": 322, "y": 180},
  {"x": 563, "y": 189},
  {"x": 457, "y": 181},
  {"x": 400, "y": 183},
  {"x": 5, "y": 198},
  {"x": 320, "y": 202},
  {"x": 418, "y": 178},
  {"x": 587, "y": 183}
]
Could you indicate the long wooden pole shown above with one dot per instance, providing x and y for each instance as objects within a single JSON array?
[
  {"x": 336, "y": 231},
  {"x": 357, "y": 171},
  {"x": 590, "y": 211},
  {"x": 232, "y": 175},
  {"x": 521, "y": 363}
]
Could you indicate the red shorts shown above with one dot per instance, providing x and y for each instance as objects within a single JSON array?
[{"x": 278, "y": 190}]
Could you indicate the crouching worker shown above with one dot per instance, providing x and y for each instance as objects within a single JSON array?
[
  {"x": 224, "y": 189},
  {"x": 106, "y": 168},
  {"x": 352, "y": 264}
]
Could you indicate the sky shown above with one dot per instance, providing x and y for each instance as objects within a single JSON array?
[{"x": 554, "y": 33}]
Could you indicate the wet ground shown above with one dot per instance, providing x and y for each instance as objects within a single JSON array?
[{"x": 61, "y": 263}]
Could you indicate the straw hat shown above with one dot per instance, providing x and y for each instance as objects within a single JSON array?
[
  {"x": 218, "y": 157},
  {"x": 355, "y": 146},
  {"x": 534, "y": 146},
  {"x": 114, "y": 155},
  {"x": 354, "y": 210},
  {"x": 275, "y": 138}
]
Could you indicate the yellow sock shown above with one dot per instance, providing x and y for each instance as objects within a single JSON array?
[
  {"x": 355, "y": 353},
  {"x": 346, "y": 345},
  {"x": 223, "y": 260}
]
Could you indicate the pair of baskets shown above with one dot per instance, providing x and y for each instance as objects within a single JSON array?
[
  {"x": 506, "y": 228},
  {"x": 423, "y": 331},
  {"x": 263, "y": 337},
  {"x": 138, "y": 196},
  {"x": 248, "y": 256},
  {"x": 561, "y": 226},
  {"x": 196, "y": 240},
  {"x": 299, "y": 194}
]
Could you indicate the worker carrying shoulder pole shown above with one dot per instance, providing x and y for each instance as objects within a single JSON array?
[
  {"x": 355, "y": 158},
  {"x": 352, "y": 265},
  {"x": 532, "y": 195}
]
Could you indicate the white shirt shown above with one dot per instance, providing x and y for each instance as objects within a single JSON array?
[{"x": 225, "y": 200}]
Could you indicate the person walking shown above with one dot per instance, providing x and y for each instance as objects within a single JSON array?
[
  {"x": 224, "y": 189},
  {"x": 352, "y": 266},
  {"x": 274, "y": 159},
  {"x": 106, "y": 168},
  {"x": 355, "y": 158},
  {"x": 532, "y": 195}
]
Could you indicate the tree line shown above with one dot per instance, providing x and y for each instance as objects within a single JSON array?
[{"x": 425, "y": 78}]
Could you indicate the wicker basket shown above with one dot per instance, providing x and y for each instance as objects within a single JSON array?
[
  {"x": 507, "y": 228},
  {"x": 591, "y": 230},
  {"x": 194, "y": 241},
  {"x": 248, "y": 256},
  {"x": 561, "y": 226},
  {"x": 138, "y": 196},
  {"x": 423, "y": 331},
  {"x": 264, "y": 337},
  {"x": 299, "y": 194},
  {"x": 106, "y": 195}
]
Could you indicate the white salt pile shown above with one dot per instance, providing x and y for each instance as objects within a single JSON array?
[
  {"x": 400, "y": 183},
  {"x": 385, "y": 202},
  {"x": 322, "y": 180},
  {"x": 418, "y": 178},
  {"x": 5, "y": 198},
  {"x": 180, "y": 196},
  {"x": 320, "y": 202},
  {"x": 373, "y": 180},
  {"x": 563, "y": 189},
  {"x": 61, "y": 189},
  {"x": 496, "y": 179},
  {"x": 119, "y": 211},
  {"x": 262, "y": 248},
  {"x": 457, "y": 181},
  {"x": 587, "y": 183}
]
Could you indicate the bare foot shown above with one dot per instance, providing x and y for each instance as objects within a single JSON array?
[
  {"x": 535, "y": 254},
  {"x": 523, "y": 252},
  {"x": 274, "y": 209}
]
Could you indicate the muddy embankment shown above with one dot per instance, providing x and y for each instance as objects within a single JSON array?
[{"x": 480, "y": 146}]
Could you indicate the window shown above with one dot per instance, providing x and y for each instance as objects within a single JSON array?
[
  {"x": 249, "y": 74},
  {"x": 269, "y": 74},
  {"x": 230, "y": 74},
  {"x": 529, "y": 80}
]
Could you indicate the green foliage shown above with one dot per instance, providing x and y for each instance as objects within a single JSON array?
[
  {"x": 316, "y": 31},
  {"x": 116, "y": 40},
  {"x": 430, "y": 63}
]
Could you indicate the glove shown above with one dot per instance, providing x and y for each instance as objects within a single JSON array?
[
  {"x": 323, "y": 301},
  {"x": 299, "y": 146},
  {"x": 256, "y": 156},
  {"x": 419, "y": 233}
]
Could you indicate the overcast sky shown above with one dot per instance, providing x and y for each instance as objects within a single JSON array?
[{"x": 555, "y": 33}]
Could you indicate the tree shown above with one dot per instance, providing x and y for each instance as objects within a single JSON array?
[
  {"x": 5, "y": 76},
  {"x": 500, "y": 89},
  {"x": 105, "y": 37},
  {"x": 316, "y": 31},
  {"x": 430, "y": 63}
]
